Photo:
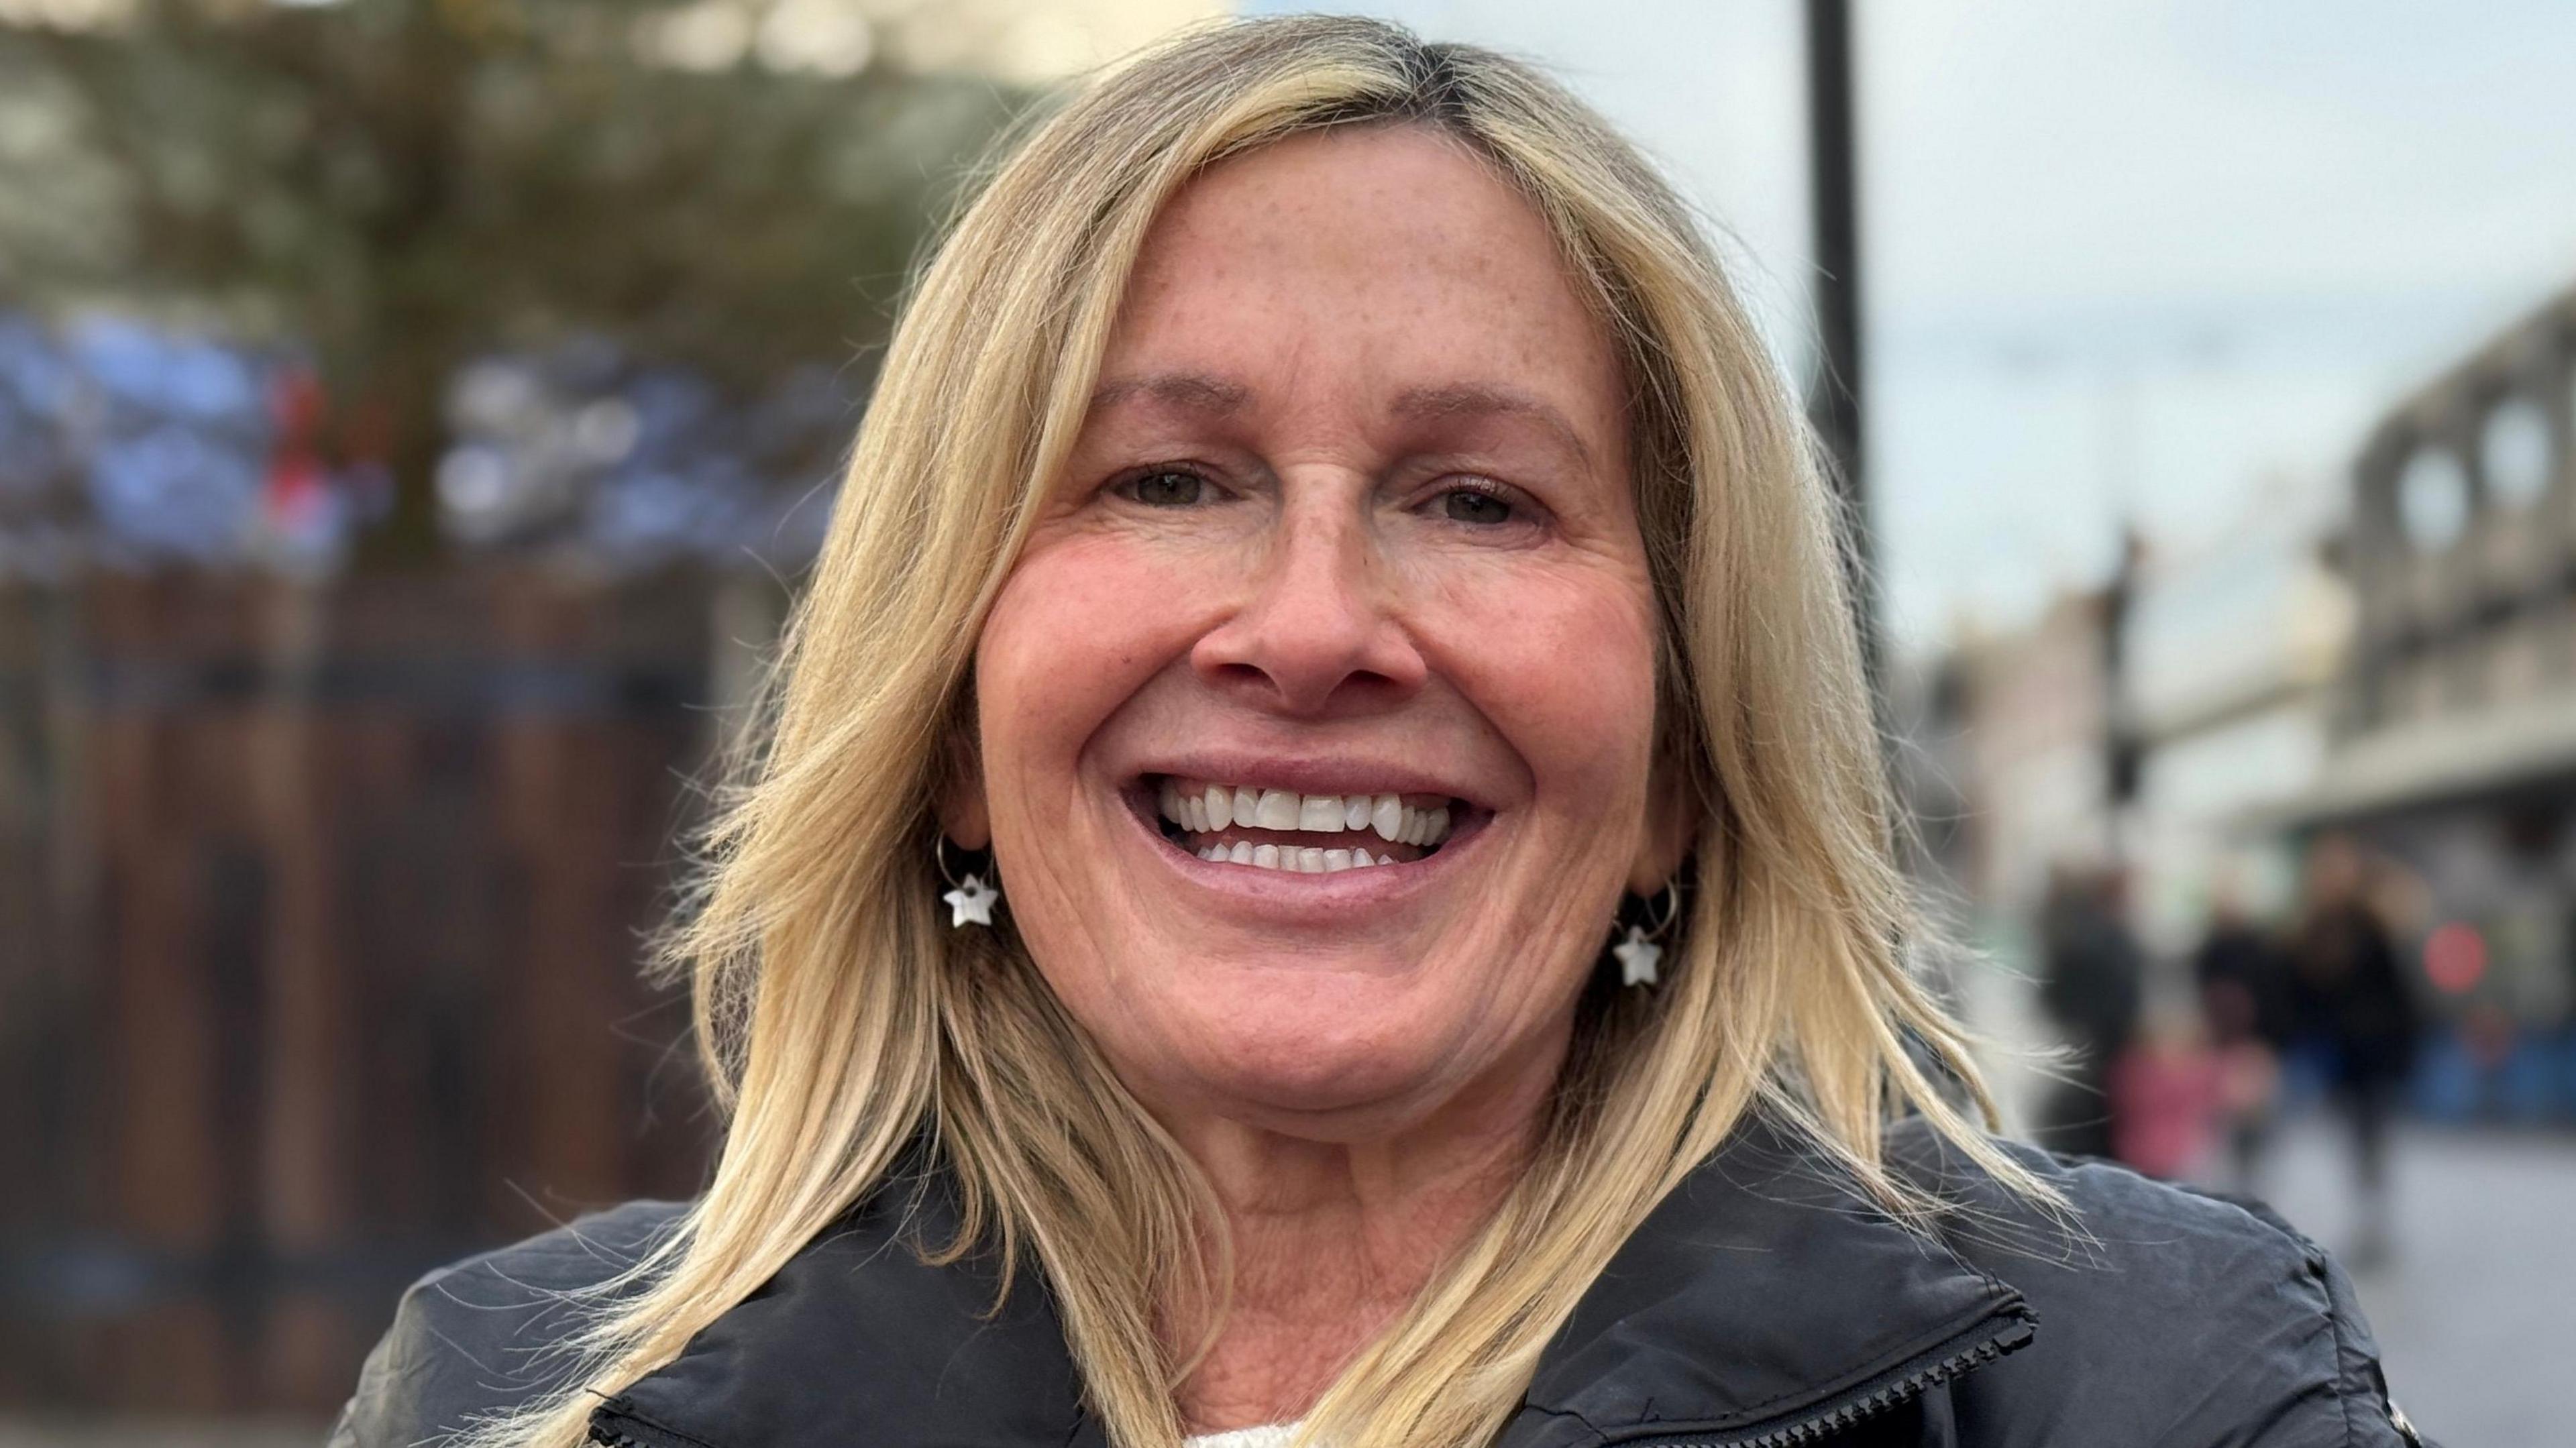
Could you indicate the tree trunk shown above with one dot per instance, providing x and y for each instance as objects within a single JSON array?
[{"x": 403, "y": 405}]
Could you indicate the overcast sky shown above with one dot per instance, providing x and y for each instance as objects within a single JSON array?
[{"x": 2162, "y": 257}]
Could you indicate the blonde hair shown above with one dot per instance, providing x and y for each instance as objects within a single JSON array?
[{"x": 843, "y": 1021}]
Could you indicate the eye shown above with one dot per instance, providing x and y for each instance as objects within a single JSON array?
[
  {"x": 1474, "y": 505},
  {"x": 1164, "y": 488}
]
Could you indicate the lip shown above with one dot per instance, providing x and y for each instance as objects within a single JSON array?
[
  {"x": 1306, "y": 774},
  {"x": 1279, "y": 896},
  {"x": 1312, "y": 899}
]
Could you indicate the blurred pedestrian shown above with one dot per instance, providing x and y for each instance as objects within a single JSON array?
[
  {"x": 2090, "y": 979},
  {"x": 2168, "y": 1092},
  {"x": 2245, "y": 1004},
  {"x": 2349, "y": 996}
]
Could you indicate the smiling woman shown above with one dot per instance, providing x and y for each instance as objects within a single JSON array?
[
  {"x": 1345, "y": 541},
  {"x": 1328, "y": 543}
]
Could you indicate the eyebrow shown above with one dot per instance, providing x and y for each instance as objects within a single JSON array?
[
  {"x": 1195, "y": 391},
  {"x": 1208, "y": 393},
  {"x": 1480, "y": 399}
]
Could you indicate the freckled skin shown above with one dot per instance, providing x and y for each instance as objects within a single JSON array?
[{"x": 1312, "y": 589}]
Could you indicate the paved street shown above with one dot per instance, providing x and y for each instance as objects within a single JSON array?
[{"x": 2476, "y": 1312}]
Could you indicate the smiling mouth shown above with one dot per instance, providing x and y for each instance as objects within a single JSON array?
[{"x": 1310, "y": 834}]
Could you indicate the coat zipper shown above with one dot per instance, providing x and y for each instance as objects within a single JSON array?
[
  {"x": 609, "y": 1424},
  {"x": 1898, "y": 1385}
]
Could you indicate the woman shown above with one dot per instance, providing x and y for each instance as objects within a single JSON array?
[
  {"x": 1327, "y": 548},
  {"x": 2350, "y": 1000}
]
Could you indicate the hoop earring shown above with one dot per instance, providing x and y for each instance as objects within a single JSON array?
[
  {"x": 970, "y": 901},
  {"x": 1638, "y": 953}
]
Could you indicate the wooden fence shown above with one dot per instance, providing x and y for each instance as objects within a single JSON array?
[{"x": 320, "y": 913}]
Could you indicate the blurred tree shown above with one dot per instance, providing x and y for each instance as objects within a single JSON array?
[{"x": 402, "y": 186}]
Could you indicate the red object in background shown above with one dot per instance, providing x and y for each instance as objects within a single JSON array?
[
  {"x": 296, "y": 479},
  {"x": 2455, "y": 957},
  {"x": 2166, "y": 1097}
]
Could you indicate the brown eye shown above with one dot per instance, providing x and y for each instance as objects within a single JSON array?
[
  {"x": 1167, "y": 489},
  {"x": 1466, "y": 505}
]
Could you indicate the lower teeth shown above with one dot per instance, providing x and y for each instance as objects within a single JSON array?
[{"x": 1293, "y": 859}]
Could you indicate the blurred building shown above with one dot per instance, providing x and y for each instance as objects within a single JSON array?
[
  {"x": 2142, "y": 721},
  {"x": 2454, "y": 726},
  {"x": 2012, "y": 777},
  {"x": 2005, "y": 780},
  {"x": 2136, "y": 724},
  {"x": 2230, "y": 664},
  {"x": 2409, "y": 677}
]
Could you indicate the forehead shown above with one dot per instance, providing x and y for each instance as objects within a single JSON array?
[{"x": 1380, "y": 259}]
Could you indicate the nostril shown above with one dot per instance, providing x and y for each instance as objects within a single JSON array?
[{"x": 1310, "y": 649}]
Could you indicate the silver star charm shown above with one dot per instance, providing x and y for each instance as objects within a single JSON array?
[
  {"x": 971, "y": 903},
  {"x": 1637, "y": 957}
]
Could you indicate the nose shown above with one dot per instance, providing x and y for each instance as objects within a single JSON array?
[{"x": 1318, "y": 635}]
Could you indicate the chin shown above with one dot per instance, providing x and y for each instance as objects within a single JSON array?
[{"x": 1318, "y": 1052}]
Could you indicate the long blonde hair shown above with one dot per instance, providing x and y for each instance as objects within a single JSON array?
[{"x": 841, "y": 1020}]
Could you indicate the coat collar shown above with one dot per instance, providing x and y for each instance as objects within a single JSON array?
[{"x": 1762, "y": 1296}]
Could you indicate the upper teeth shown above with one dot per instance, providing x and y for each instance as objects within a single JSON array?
[{"x": 1218, "y": 807}]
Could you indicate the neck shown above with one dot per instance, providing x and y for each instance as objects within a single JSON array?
[{"x": 1333, "y": 1239}]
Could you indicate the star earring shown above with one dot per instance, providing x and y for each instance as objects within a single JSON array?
[
  {"x": 1638, "y": 953},
  {"x": 970, "y": 901}
]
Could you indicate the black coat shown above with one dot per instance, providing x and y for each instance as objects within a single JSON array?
[
  {"x": 2350, "y": 991},
  {"x": 2244, "y": 986},
  {"x": 1760, "y": 1304}
]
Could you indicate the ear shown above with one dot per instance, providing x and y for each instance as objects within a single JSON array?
[
  {"x": 962, "y": 813},
  {"x": 1672, "y": 822}
]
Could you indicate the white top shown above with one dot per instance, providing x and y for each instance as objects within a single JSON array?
[{"x": 1268, "y": 1435}]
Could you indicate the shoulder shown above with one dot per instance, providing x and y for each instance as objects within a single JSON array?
[
  {"x": 2183, "y": 1316},
  {"x": 478, "y": 1337}
]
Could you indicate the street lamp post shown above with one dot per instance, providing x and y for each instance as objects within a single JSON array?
[{"x": 1835, "y": 404}]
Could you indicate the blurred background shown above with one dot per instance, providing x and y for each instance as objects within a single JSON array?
[{"x": 416, "y": 416}]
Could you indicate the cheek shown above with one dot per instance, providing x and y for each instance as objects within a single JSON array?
[
  {"x": 1076, "y": 630},
  {"x": 1562, "y": 660}
]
